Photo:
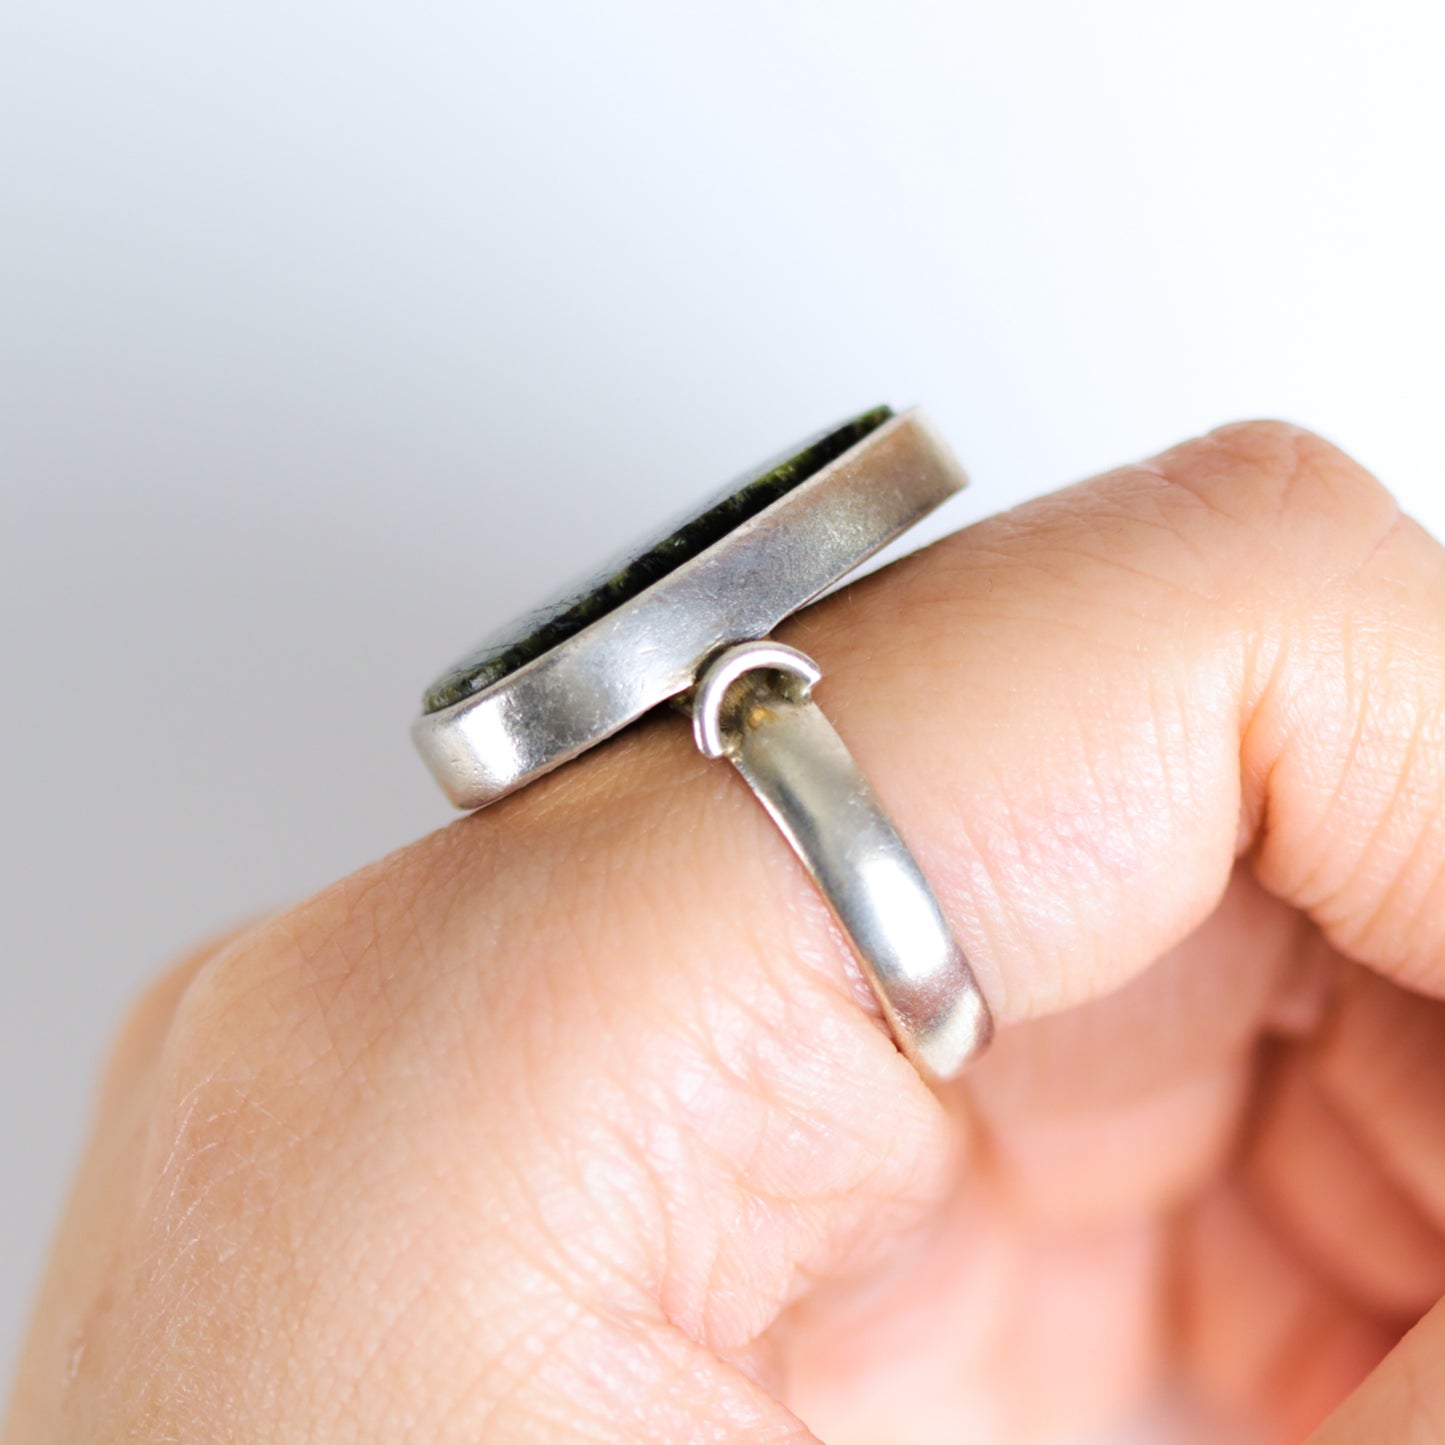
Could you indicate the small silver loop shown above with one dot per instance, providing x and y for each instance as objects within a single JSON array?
[
  {"x": 729, "y": 667},
  {"x": 752, "y": 704}
]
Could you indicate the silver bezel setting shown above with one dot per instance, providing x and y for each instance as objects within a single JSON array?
[{"x": 650, "y": 648}]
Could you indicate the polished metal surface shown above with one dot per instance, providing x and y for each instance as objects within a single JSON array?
[
  {"x": 796, "y": 673},
  {"x": 753, "y": 705},
  {"x": 649, "y": 649}
]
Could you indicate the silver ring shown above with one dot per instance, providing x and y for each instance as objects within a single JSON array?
[{"x": 683, "y": 618}]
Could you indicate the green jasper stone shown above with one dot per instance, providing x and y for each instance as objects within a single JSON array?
[{"x": 620, "y": 580}]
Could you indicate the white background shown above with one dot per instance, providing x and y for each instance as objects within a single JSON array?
[{"x": 331, "y": 333}]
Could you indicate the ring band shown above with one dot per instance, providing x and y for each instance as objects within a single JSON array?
[
  {"x": 684, "y": 618},
  {"x": 753, "y": 705}
]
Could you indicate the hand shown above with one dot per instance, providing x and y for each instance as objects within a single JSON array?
[{"x": 575, "y": 1122}]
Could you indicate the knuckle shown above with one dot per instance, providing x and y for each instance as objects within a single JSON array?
[
  {"x": 149, "y": 1018},
  {"x": 211, "y": 1104},
  {"x": 1276, "y": 478},
  {"x": 304, "y": 995}
]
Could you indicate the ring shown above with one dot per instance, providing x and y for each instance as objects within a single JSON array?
[{"x": 683, "y": 618}]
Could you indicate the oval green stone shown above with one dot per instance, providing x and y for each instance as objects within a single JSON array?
[{"x": 639, "y": 566}]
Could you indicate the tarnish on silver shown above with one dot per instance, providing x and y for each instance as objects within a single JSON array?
[
  {"x": 649, "y": 649},
  {"x": 753, "y": 706}
]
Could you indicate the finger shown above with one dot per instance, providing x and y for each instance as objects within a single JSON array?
[
  {"x": 611, "y": 1018},
  {"x": 1238, "y": 645},
  {"x": 1379, "y": 1065},
  {"x": 1401, "y": 1402},
  {"x": 1265, "y": 1337},
  {"x": 1382, "y": 1064},
  {"x": 1000, "y": 1331},
  {"x": 1119, "y": 1109},
  {"x": 1326, "y": 1190},
  {"x": 1043, "y": 1292}
]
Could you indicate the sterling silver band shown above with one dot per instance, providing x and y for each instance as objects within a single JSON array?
[{"x": 752, "y": 705}]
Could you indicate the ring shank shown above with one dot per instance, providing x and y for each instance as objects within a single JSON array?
[{"x": 800, "y": 770}]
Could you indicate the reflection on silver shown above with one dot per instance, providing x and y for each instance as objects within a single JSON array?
[{"x": 753, "y": 705}]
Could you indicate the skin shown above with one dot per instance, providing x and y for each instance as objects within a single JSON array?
[{"x": 575, "y": 1122}]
